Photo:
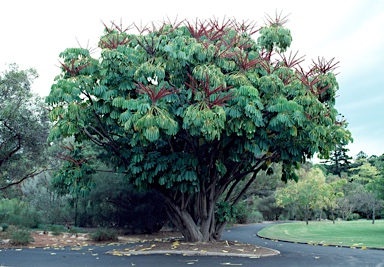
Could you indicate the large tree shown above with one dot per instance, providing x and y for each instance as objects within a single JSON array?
[
  {"x": 194, "y": 109},
  {"x": 23, "y": 127}
]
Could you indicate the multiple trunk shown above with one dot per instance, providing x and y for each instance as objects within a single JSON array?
[
  {"x": 194, "y": 215},
  {"x": 196, "y": 220}
]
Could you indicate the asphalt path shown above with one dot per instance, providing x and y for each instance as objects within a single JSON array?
[{"x": 290, "y": 255}]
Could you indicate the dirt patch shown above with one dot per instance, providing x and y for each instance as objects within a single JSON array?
[
  {"x": 166, "y": 242},
  {"x": 47, "y": 239},
  {"x": 222, "y": 248}
]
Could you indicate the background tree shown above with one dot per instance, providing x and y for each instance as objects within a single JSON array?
[
  {"x": 339, "y": 162},
  {"x": 361, "y": 155},
  {"x": 23, "y": 128},
  {"x": 369, "y": 177},
  {"x": 331, "y": 193},
  {"x": 193, "y": 109},
  {"x": 379, "y": 181},
  {"x": 40, "y": 194},
  {"x": 305, "y": 195}
]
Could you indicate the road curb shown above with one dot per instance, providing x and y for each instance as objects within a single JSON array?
[
  {"x": 320, "y": 244},
  {"x": 190, "y": 253}
]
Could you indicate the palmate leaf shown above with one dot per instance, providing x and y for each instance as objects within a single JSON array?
[
  {"x": 190, "y": 175},
  {"x": 221, "y": 167},
  {"x": 151, "y": 123},
  {"x": 99, "y": 90},
  {"x": 118, "y": 102},
  {"x": 199, "y": 119},
  {"x": 152, "y": 133}
]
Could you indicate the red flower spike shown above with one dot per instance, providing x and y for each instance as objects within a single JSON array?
[
  {"x": 212, "y": 30},
  {"x": 116, "y": 40},
  {"x": 278, "y": 20},
  {"x": 72, "y": 70},
  {"x": 154, "y": 94},
  {"x": 206, "y": 89},
  {"x": 246, "y": 26},
  {"x": 324, "y": 66},
  {"x": 291, "y": 61}
]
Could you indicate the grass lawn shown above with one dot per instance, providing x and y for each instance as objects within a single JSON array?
[{"x": 361, "y": 233}]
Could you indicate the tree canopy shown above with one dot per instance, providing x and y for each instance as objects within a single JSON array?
[
  {"x": 193, "y": 109},
  {"x": 23, "y": 127}
]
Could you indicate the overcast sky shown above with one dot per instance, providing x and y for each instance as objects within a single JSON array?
[{"x": 33, "y": 33}]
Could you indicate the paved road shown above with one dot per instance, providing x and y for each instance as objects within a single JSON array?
[{"x": 291, "y": 255}]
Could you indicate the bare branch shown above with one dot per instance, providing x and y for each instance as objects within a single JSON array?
[{"x": 30, "y": 175}]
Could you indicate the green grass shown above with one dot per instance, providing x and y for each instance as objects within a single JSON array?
[{"x": 361, "y": 233}]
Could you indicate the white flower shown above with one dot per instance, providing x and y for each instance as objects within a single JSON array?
[{"x": 153, "y": 81}]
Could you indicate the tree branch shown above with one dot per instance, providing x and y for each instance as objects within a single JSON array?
[
  {"x": 17, "y": 148},
  {"x": 30, "y": 175}
]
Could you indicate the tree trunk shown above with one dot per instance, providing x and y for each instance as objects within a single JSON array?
[
  {"x": 333, "y": 216},
  {"x": 373, "y": 212},
  {"x": 201, "y": 229},
  {"x": 76, "y": 200},
  {"x": 306, "y": 214}
]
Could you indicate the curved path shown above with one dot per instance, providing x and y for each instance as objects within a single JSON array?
[{"x": 291, "y": 255}]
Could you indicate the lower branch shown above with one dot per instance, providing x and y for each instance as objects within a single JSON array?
[{"x": 29, "y": 175}]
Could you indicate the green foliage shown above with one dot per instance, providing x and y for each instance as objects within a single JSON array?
[
  {"x": 339, "y": 161},
  {"x": 275, "y": 36},
  {"x": 53, "y": 207},
  {"x": 4, "y": 226},
  {"x": 17, "y": 212},
  {"x": 305, "y": 195},
  {"x": 20, "y": 237},
  {"x": 75, "y": 176},
  {"x": 102, "y": 235},
  {"x": 56, "y": 229},
  {"x": 74, "y": 230},
  {"x": 247, "y": 213},
  {"x": 23, "y": 127},
  {"x": 268, "y": 208},
  {"x": 353, "y": 217},
  {"x": 225, "y": 211},
  {"x": 191, "y": 110}
]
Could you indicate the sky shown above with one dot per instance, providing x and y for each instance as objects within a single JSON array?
[{"x": 35, "y": 32}]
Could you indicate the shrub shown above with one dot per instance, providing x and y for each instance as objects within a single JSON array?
[
  {"x": 255, "y": 217},
  {"x": 241, "y": 213},
  {"x": 4, "y": 226},
  {"x": 247, "y": 213},
  {"x": 74, "y": 230},
  {"x": 56, "y": 229},
  {"x": 102, "y": 235},
  {"x": 17, "y": 212},
  {"x": 21, "y": 237},
  {"x": 353, "y": 217}
]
